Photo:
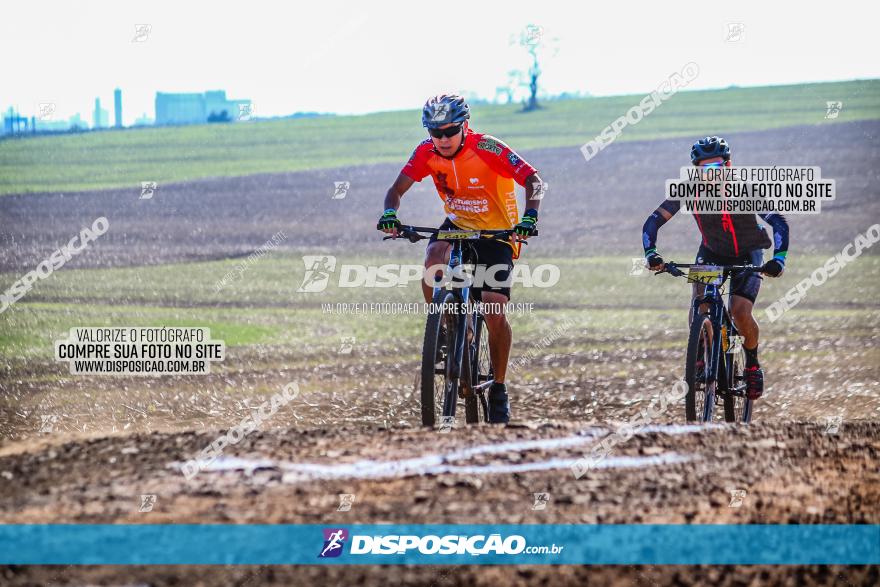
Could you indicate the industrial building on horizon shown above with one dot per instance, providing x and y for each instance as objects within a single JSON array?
[
  {"x": 191, "y": 108},
  {"x": 117, "y": 107},
  {"x": 171, "y": 109},
  {"x": 100, "y": 117}
]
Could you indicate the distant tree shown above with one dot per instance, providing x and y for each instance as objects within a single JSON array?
[
  {"x": 532, "y": 39},
  {"x": 503, "y": 95},
  {"x": 509, "y": 92}
]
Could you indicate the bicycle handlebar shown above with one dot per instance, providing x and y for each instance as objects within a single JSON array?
[
  {"x": 413, "y": 233},
  {"x": 674, "y": 269}
]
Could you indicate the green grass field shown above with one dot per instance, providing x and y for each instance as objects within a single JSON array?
[
  {"x": 264, "y": 308},
  {"x": 110, "y": 158}
]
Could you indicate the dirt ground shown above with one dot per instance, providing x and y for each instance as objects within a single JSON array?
[{"x": 764, "y": 473}]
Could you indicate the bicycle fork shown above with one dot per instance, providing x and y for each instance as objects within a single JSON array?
[
  {"x": 460, "y": 340},
  {"x": 715, "y": 318}
]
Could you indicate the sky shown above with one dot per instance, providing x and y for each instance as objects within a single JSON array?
[{"x": 359, "y": 57}]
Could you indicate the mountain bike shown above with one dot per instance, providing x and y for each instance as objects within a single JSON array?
[
  {"x": 455, "y": 353},
  {"x": 715, "y": 365}
]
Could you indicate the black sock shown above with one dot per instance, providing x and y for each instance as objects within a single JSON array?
[
  {"x": 751, "y": 357},
  {"x": 499, "y": 387}
]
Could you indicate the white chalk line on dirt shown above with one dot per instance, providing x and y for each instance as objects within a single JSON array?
[
  {"x": 675, "y": 429},
  {"x": 436, "y": 464}
]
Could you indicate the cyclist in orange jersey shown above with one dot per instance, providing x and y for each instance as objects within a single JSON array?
[{"x": 474, "y": 175}]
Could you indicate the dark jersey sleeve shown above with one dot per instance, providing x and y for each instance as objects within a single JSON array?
[
  {"x": 780, "y": 234},
  {"x": 654, "y": 222}
]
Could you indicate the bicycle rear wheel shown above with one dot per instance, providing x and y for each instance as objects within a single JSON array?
[
  {"x": 437, "y": 384},
  {"x": 700, "y": 398},
  {"x": 737, "y": 406}
]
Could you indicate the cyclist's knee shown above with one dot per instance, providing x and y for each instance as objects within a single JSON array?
[
  {"x": 741, "y": 309},
  {"x": 437, "y": 253},
  {"x": 436, "y": 256},
  {"x": 493, "y": 308},
  {"x": 495, "y": 321}
]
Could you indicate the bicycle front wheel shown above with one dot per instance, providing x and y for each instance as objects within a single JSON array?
[
  {"x": 699, "y": 373},
  {"x": 437, "y": 384}
]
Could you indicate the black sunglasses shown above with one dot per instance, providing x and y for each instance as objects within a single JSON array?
[{"x": 445, "y": 132}]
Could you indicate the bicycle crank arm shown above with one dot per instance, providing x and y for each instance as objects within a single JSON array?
[{"x": 484, "y": 386}]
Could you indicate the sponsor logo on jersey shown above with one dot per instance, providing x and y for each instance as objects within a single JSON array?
[{"x": 491, "y": 145}]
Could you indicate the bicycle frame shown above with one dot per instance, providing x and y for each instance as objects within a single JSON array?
[
  {"x": 462, "y": 295},
  {"x": 719, "y": 317},
  {"x": 719, "y": 372},
  {"x": 468, "y": 320}
]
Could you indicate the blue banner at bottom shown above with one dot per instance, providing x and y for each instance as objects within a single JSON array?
[{"x": 444, "y": 544}]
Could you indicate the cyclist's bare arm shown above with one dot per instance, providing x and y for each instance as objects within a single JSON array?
[
  {"x": 534, "y": 191},
  {"x": 396, "y": 191}
]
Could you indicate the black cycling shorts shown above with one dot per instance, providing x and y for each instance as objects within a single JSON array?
[
  {"x": 745, "y": 284},
  {"x": 489, "y": 252}
]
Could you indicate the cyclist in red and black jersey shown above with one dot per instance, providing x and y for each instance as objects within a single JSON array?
[{"x": 729, "y": 239}]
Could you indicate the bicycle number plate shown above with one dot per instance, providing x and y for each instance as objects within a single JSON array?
[
  {"x": 706, "y": 274},
  {"x": 450, "y": 235}
]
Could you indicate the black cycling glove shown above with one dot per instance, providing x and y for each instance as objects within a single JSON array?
[{"x": 388, "y": 221}]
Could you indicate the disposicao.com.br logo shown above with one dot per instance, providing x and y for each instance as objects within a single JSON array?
[
  {"x": 334, "y": 541},
  {"x": 431, "y": 544},
  {"x": 320, "y": 268}
]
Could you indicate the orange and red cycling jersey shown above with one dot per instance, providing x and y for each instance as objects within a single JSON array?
[{"x": 477, "y": 184}]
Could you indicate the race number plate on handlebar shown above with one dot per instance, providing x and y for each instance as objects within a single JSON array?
[
  {"x": 458, "y": 234},
  {"x": 706, "y": 274}
]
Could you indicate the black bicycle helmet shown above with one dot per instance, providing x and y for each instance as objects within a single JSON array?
[
  {"x": 445, "y": 109},
  {"x": 709, "y": 148}
]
